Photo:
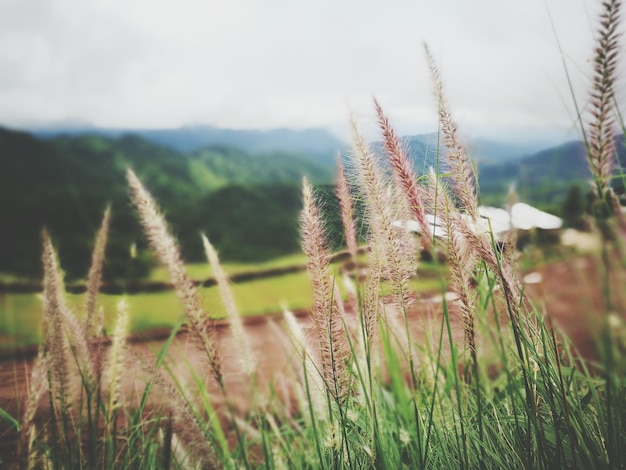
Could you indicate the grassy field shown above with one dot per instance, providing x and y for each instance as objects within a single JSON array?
[
  {"x": 21, "y": 314},
  {"x": 201, "y": 271},
  {"x": 21, "y": 317}
]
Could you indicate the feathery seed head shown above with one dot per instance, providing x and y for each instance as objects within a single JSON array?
[
  {"x": 236, "y": 325},
  {"x": 314, "y": 247},
  {"x": 94, "y": 278},
  {"x": 601, "y": 126},
  {"x": 462, "y": 167},
  {"x": 54, "y": 306},
  {"x": 165, "y": 247},
  {"x": 345, "y": 209},
  {"x": 311, "y": 378},
  {"x": 115, "y": 356},
  {"x": 333, "y": 344},
  {"x": 404, "y": 174},
  {"x": 396, "y": 250},
  {"x": 81, "y": 349},
  {"x": 36, "y": 389}
]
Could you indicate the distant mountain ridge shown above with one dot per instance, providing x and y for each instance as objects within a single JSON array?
[
  {"x": 314, "y": 142},
  {"x": 545, "y": 176},
  {"x": 423, "y": 150},
  {"x": 541, "y": 176},
  {"x": 318, "y": 143},
  {"x": 528, "y": 164},
  {"x": 489, "y": 151},
  {"x": 525, "y": 163}
]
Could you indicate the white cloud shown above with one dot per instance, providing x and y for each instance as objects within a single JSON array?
[{"x": 253, "y": 63}]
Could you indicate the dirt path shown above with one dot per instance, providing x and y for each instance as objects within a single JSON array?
[{"x": 566, "y": 289}]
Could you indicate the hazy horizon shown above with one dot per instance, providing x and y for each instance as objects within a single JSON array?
[{"x": 545, "y": 138}]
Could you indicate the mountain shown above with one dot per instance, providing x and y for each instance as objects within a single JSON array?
[
  {"x": 541, "y": 176},
  {"x": 423, "y": 150},
  {"x": 231, "y": 165},
  {"x": 65, "y": 183},
  {"x": 545, "y": 176},
  {"x": 488, "y": 151},
  {"x": 317, "y": 143}
]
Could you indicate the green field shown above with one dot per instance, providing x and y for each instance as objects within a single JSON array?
[
  {"x": 21, "y": 314},
  {"x": 201, "y": 271},
  {"x": 21, "y": 317}
]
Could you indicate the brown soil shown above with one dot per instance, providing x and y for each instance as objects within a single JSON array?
[{"x": 568, "y": 292}]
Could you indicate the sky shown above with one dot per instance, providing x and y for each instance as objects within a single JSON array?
[{"x": 299, "y": 64}]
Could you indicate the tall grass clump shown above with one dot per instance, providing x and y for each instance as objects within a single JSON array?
[
  {"x": 77, "y": 425},
  {"x": 599, "y": 129},
  {"x": 384, "y": 380}
]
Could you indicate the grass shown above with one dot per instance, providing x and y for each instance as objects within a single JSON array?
[
  {"x": 21, "y": 319},
  {"x": 23, "y": 313},
  {"x": 490, "y": 386},
  {"x": 201, "y": 271},
  {"x": 8, "y": 277}
]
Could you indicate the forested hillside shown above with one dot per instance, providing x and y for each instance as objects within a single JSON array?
[{"x": 66, "y": 183}]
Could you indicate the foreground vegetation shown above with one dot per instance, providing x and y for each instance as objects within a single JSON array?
[{"x": 359, "y": 391}]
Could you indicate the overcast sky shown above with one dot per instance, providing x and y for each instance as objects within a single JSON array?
[{"x": 290, "y": 63}]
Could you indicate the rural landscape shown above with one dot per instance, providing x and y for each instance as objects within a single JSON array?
[{"x": 207, "y": 297}]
